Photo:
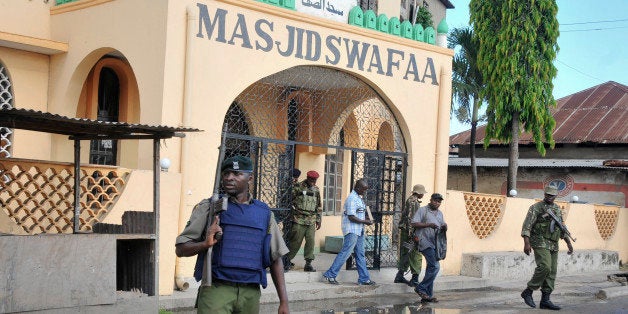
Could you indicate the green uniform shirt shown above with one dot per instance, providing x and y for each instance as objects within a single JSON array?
[
  {"x": 412, "y": 205},
  {"x": 536, "y": 226},
  {"x": 306, "y": 209}
]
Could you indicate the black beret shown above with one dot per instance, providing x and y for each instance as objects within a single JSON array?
[{"x": 237, "y": 163}]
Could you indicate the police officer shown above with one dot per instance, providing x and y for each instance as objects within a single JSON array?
[
  {"x": 408, "y": 256},
  {"x": 541, "y": 234},
  {"x": 306, "y": 219},
  {"x": 232, "y": 275}
]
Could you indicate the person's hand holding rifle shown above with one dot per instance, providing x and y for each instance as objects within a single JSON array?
[
  {"x": 218, "y": 204},
  {"x": 567, "y": 235}
]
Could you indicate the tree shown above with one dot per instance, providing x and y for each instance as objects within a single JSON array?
[
  {"x": 517, "y": 46},
  {"x": 467, "y": 85},
  {"x": 424, "y": 17}
]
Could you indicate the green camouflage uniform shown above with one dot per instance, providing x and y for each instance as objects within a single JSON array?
[
  {"x": 544, "y": 242},
  {"x": 305, "y": 214},
  {"x": 409, "y": 258}
]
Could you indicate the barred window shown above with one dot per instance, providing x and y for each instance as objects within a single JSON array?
[
  {"x": 6, "y": 102},
  {"x": 332, "y": 198}
]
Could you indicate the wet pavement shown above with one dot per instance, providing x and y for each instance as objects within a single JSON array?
[{"x": 577, "y": 293}]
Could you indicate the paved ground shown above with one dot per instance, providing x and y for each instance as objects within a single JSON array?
[{"x": 457, "y": 294}]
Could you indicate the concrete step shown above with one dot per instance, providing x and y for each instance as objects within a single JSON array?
[
  {"x": 309, "y": 286},
  {"x": 514, "y": 265}
]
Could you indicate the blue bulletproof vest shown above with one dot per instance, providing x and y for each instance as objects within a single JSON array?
[{"x": 244, "y": 251}]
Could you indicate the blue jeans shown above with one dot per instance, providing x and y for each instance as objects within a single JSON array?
[
  {"x": 427, "y": 284},
  {"x": 355, "y": 243}
]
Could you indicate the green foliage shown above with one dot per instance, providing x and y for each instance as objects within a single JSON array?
[
  {"x": 424, "y": 17},
  {"x": 162, "y": 311},
  {"x": 467, "y": 81},
  {"x": 517, "y": 47}
]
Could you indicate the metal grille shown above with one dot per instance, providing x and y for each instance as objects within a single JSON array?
[
  {"x": 104, "y": 152},
  {"x": 321, "y": 111},
  {"x": 385, "y": 174},
  {"x": 6, "y": 102},
  {"x": 333, "y": 183}
]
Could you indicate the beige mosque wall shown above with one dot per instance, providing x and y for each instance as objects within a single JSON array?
[{"x": 29, "y": 77}]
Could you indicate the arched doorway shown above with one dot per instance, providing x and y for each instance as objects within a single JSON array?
[{"x": 323, "y": 111}]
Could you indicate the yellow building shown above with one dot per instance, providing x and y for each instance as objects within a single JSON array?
[
  {"x": 329, "y": 87},
  {"x": 323, "y": 86}
]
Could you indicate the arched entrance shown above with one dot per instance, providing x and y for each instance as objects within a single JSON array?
[{"x": 323, "y": 111}]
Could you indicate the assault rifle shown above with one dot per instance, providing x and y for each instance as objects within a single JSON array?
[
  {"x": 560, "y": 224},
  {"x": 215, "y": 207}
]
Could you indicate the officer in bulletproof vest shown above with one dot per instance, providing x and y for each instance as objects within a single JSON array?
[
  {"x": 541, "y": 234},
  {"x": 306, "y": 219}
]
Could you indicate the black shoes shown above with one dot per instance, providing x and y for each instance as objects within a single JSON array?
[
  {"x": 527, "y": 297},
  {"x": 400, "y": 279},
  {"x": 308, "y": 267},
  {"x": 367, "y": 283},
  {"x": 414, "y": 281},
  {"x": 546, "y": 304},
  {"x": 330, "y": 280}
]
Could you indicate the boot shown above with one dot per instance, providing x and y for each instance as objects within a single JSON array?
[
  {"x": 546, "y": 303},
  {"x": 286, "y": 264},
  {"x": 308, "y": 266},
  {"x": 527, "y": 297},
  {"x": 414, "y": 281},
  {"x": 400, "y": 279}
]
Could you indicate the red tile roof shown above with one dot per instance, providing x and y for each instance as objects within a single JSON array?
[{"x": 598, "y": 115}]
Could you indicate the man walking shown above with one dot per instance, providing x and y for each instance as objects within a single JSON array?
[
  {"x": 428, "y": 220},
  {"x": 306, "y": 219},
  {"x": 541, "y": 234},
  {"x": 232, "y": 276},
  {"x": 353, "y": 221},
  {"x": 409, "y": 256}
]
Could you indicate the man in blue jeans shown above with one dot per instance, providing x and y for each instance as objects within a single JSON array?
[
  {"x": 353, "y": 221},
  {"x": 427, "y": 221}
]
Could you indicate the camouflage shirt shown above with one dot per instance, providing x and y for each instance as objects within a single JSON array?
[
  {"x": 411, "y": 206},
  {"x": 537, "y": 227},
  {"x": 306, "y": 206}
]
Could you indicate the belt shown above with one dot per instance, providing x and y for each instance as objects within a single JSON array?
[{"x": 235, "y": 284}]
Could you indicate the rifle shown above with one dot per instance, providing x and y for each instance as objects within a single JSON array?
[
  {"x": 215, "y": 210},
  {"x": 560, "y": 224}
]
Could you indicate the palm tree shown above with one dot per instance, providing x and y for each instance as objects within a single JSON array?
[{"x": 467, "y": 83}]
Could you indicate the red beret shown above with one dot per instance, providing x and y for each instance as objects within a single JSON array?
[{"x": 312, "y": 174}]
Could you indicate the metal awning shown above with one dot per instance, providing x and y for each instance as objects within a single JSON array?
[
  {"x": 85, "y": 129},
  {"x": 79, "y": 128}
]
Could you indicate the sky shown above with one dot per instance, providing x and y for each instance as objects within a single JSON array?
[{"x": 593, "y": 45}]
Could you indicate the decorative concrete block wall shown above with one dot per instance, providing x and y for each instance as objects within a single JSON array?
[{"x": 516, "y": 265}]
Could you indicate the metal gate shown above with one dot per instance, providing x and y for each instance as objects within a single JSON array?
[
  {"x": 385, "y": 173},
  {"x": 322, "y": 111}
]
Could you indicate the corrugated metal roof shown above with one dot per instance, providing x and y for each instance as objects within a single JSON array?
[
  {"x": 597, "y": 115},
  {"x": 532, "y": 163},
  {"x": 53, "y": 123}
]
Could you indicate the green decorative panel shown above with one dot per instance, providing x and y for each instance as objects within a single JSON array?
[
  {"x": 418, "y": 33},
  {"x": 370, "y": 19},
  {"x": 273, "y": 2},
  {"x": 430, "y": 35},
  {"x": 356, "y": 16},
  {"x": 406, "y": 29},
  {"x": 288, "y": 4},
  {"x": 394, "y": 26},
  {"x": 382, "y": 23}
]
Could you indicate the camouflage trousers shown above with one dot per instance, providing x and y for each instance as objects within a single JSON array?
[
  {"x": 545, "y": 272},
  {"x": 295, "y": 238},
  {"x": 407, "y": 257}
]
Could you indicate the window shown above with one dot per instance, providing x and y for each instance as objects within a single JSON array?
[
  {"x": 104, "y": 152},
  {"x": 368, "y": 5},
  {"x": 332, "y": 198},
  {"x": 6, "y": 102}
]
